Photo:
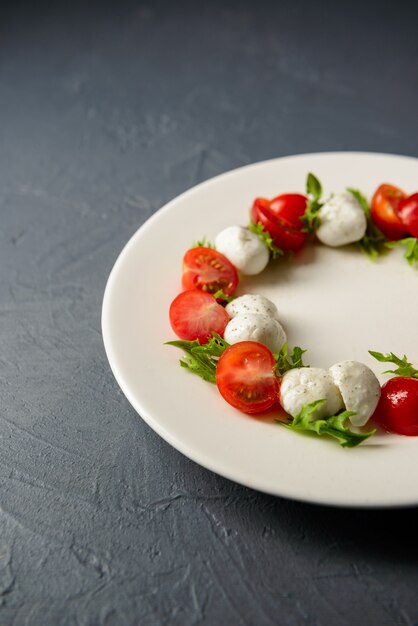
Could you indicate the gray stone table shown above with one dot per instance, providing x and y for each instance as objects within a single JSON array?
[{"x": 107, "y": 111}]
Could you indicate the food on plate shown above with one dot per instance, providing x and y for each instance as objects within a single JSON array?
[
  {"x": 255, "y": 318},
  {"x": 334, "y": 426},
  {"x": 252, "y": 303},
  {"x": 384, "y": 211},
  {"x": 243, "y": 248},
  {"x": 397, "y": 410},
  {"x": 342, "y": 220},
  {"x": 281, "y": 218},
  {"x": 411, "y": 248},
  {"x": 359, "y": 388},
  {"x": 408, "y": 213},
  {"x": 256, "y": 327},
  {"x": 306, "y": 385},
  {"x": 195, "y": 314},
  {"x": 207, "y": 269},
  {"x": 246, "y": 378},
  {"x": 373, "y": 243},
  {"x": 239, "y": 343}
]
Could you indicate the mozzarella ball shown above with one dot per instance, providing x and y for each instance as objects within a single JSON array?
[
  {"x": 359, "y": 388},
  {"x": 308, "y": 384},
  {"x": 255, "y": 327},
  {"x": 342, "y": 220},
  {"x": 252, "y": 303},
  {"x": 243, "y": 248}
]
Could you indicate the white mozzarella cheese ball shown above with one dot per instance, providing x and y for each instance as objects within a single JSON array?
[
  {"x": 359, "y": 388},
  {"x": 342, "y": 220},
  {"x": 256, "y": 327},
  {"x": 252, "y": 303},
  {"x": 307, "y": 384},
  {"x": 243, "y": 248}
]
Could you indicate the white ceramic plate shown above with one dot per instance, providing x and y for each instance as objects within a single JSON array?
[{"x": 335, "y": 303}]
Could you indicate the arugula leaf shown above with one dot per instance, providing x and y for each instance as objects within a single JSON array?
[
  {"x": 266, "y": 238},
  {"x": 411, "y": 245},
  {"x": 205, "y": 243},
  {"x": 361, "y": 199},
  {"x": 196, "y": 363},
  {"x": 404, "y": 367},
  {"x": 373, "y": 242},
  {"x": 313, "y": 187},
  {"x": 284, "y": 364},
  {"x": 215, "y": 346},
  {"x": 201, "y": 359},
  {"x": 333, "y": 426},
  {"x": 311, "y": 219},
  {"x": 221, "y": 295}
]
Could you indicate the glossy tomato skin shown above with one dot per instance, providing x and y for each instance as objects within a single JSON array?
[
  {"x": 290, "y": 207},
  {"x": 209, "y": 270},
  {"x": 246, "y": 379},
  {"x": 397, "y": 410},
  {"x": 195, "y": 314},
  {"x": 281, "y": 230},
  {"x": 384, "y": 211},
  {"x": 408, "y": 213}
]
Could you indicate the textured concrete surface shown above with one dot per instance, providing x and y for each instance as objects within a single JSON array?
[{"x": 106, "y": 112}]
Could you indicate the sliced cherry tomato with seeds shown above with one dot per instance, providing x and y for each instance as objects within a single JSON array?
[
  {"x": 246, "y": 378},
  {"x": 408, "y": 212},
  {"x": 208, "y": 270},
  {"x": 384, "y": 211},
  {"x": 195, "y": 314}
]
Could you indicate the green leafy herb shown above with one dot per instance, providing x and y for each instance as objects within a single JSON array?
[
  {"x": 411, "y": 248},
  {"x": 361, "y": 199},
  {"x": 221, "y": 295},
  {"x": 201, "y": 359},
  {"x": 311, "y": 218},
  {"x": 285, "y": 363},
  {"x": 205, "y": 243},
  {"x": 404, "y": 367},
  {"x": 373, "y": 242},
  {"x": 313, "y": 187},
  {"x": 267, "y": 240},
  {"x": 332, "y": 426}
]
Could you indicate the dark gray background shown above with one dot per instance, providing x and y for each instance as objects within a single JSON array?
[{"x": 106, "y": 113}]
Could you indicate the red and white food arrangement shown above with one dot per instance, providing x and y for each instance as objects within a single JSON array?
[{"x": 239, "y": 343}]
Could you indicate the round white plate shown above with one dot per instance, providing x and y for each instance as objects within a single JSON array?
[{"x": 335, "y": 303}]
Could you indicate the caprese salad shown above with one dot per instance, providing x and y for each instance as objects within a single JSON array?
[{"x": 239, "y": 343}]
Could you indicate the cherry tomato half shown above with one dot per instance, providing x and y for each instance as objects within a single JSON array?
[
  {"x": 408, "y": 212},
  {"x": 209, "y": 270},
  {"x": 246, "y": 378},
  {"x": 280, "y": 217},
  {"x": 397, "y": 410},
  {"x": 195, "y": 314},
  {"x": 384, "y": 210}
]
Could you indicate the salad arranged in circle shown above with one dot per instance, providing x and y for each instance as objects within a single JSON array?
[{"x": 239, "y": 343}]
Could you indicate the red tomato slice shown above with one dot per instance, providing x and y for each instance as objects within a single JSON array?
[
  {"x": 397, "y": 411},
  {"x": 384, "y": 210},
  {"x": 209, "y": 270},
  {"x": 246, "y": 378},
  {"x": 408, "y": 212},
  {"x": 284, "y": 235},
  {"x": 195, "y": 314}
]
